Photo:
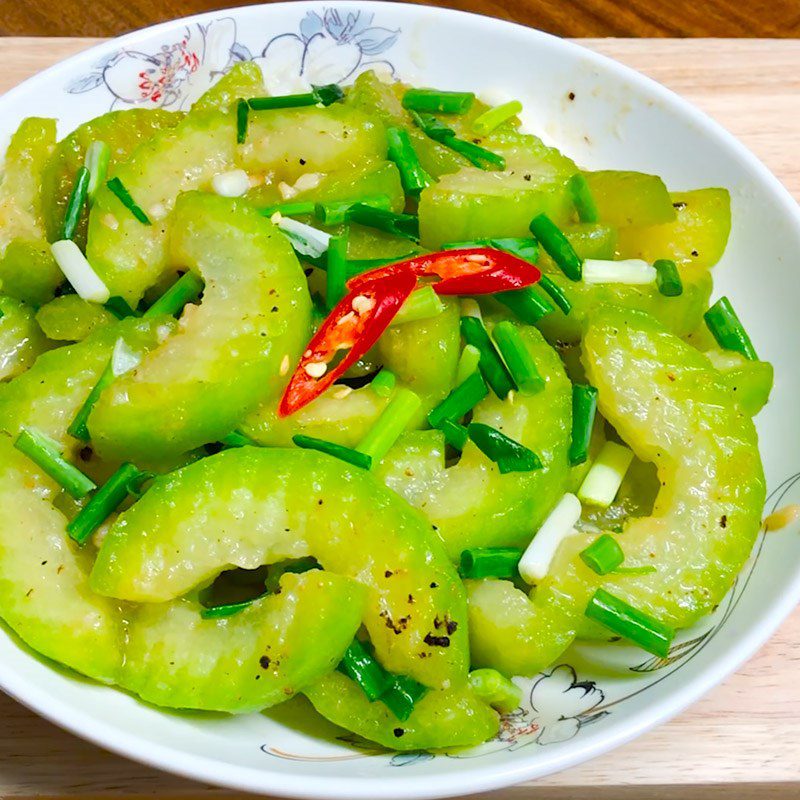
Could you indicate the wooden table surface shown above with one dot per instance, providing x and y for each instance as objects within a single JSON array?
[{"x": 742, "y": 741}]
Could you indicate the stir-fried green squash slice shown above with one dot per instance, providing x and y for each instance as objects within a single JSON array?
[
  {"x": 675, "y": 410},
  {"x": 21, "y": 339},
  {"x": 630, "y": 198},
  {"x": 256, "y": 658},
  {"x": 254, "y": 506},
  {"x": 443, "y": 718},
  {"x": 27, "y": 269},
  {"x": 44, "y": 591},
  {"x": 471, "y": 503},
  {"x": 241, "y": 81},
  {"x": 71, "y": 319},
  {"x": 227, "y": 354},
  {"x": 130, "y": 256}
]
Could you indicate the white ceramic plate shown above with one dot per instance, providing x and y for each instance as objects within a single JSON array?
[{"x": 618, "y": 119}]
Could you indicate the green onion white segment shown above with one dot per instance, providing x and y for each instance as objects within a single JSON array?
[
  {"x": 602, "y": 481},
  {"x": 559, "y": 524},
  {"x": 633, "y": 271},
  {"x": 305, "y": 239},
  {"x": 78, "y": 271}
]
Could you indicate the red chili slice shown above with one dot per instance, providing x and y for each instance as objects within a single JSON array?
[
  {"x": 355, "y": 324},
  {"x": 475, "y": 270}
]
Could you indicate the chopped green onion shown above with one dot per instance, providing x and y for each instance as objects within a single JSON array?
[
  {"x": 236, "y": 439},
  {"x": 77, "y": 200},
  {"x": 79, "y": 272},
  {"x": 556, "y": 293},
  {"x": 119, "y": 307},
  {"x": 336, "y": 269},
  {"x": 334, "y": 212},
  {"x": 455, "y": 434},
  {"x": 490, "y": 562},
  {"x": 526, "y": 304},
  {"x": 78, "y": 427},
  {"x": 491, "y": 365},
  {"x": 355, "y": 266},
  {"x": 117, "y": 188},
  {"x": 603, "y": 555},
  {"x": 470, "y": 308},
  {"x": 467, "y": 362},
  {"x": 242, "y": 118},
  {"x": 630, "y": 271},
  {"x": 405, "y": 225},
  {"x": 625, "y": 620},
  {"x": 390, "y": 424},
  {"x": 383, "y": 383},
  {"x": 359, "y": 665},
  {"x": 431, "y": 100},
  {"x": 602, "y": 481},
  {"x": 339, "y": 451},
  {"x": 423, "y": 303},
  {"x": 584, "y": 408},
  {"x": 557, "y": 246},
  {"x": 401, "y": 151},
  {"x": 518, "y": 359},
  {"x": 324, "y": 95},
  {"x": 2, "y": 313},
  {"x": 46, "y": 453},
  {"x": 127, "y": 479},
  {"x": 289, "y": 209},
  {"x": 328, "y": 93},
  {"x": 495, "y": 690},
  {"x": 98, "y": 156},
  {"x": 524, "y": 247},
  {"x": 185, "y": 290},
  {"x": 461, "y": 400},
  {"x": 729, "y": 332},
  {"x": 509, "y": 455},
  {"x": 227, "y": 610},
  {"x": 401, "y": 696},
  {"x": 495, "y": 117},
  {"x": 668, "y": 279},
  {"x": 309, "y": 242},
  {"x": 582, "y": 198},
  {"x": 439, "y": 132},
  {"x": 558, "y": 525}
]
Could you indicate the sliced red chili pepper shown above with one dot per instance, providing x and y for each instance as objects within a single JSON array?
[
  {"x": 475, "y": 270},
  {"x": 355, "y": 324}
]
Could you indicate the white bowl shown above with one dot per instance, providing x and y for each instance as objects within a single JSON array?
[{"x": 617, "y": 119}]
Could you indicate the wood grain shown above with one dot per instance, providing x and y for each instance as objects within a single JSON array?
[
  {"x": 775, "y": 18},
  {"x": 742, "y": 741}
]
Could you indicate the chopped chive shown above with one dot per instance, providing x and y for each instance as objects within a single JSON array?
[
  {"x": 729, "y": 332},
  {"x": 328, "y": 93},
  {"x": 495, "y": 117},
  {"x": 339, "y": 451},
  {"x": 185, "y": 290},
  {"x": 461, "y": 400},
  {"x": 402, "y": 695},
  {"x": 432, "y": 100},
  {"x": 518, "y": 359},
  {"x": 668, "y": 279},
  {"x": 336, "y": 269},
  {"x": 526, "y": 304},
  {"x": 625, "y": 620},
  {"x": 412, "y": 175},
  {"x": 334, "y": 212},
  {"x": 46, "y": 453},
  {"x": 78, "y": 427},
  {"x": 324, "y": 95},
  {"x": 423, "y": 303},
  {"x": 127, "y": 479},
  {"x": 495, "y": 690},
  {"x": 467, "y": 362},
  {"x": 360, "y": 665},
  {"x": 119, "y": 307},
  {"x": 584, "y": 408},
  {"x": 492, "y": 368},
  {"x": 557, "y": 246},
  {"x": 455, "y": 434},
  {"x": 227, "y": 610},
  {"x": 289, "y": 209},
  {"x": 439, "y": 132},
  {"x": 390, "y": 424},
  {"x": 236, "y": 439},
  {"x": 405, "y": 225},
  {"x": 582, "y": 198},
  {"x": 509, "y": 455},
  {"x": 602, "y": 481},
  {"x": 98, "y": 156},
  {"x": 383, "y": 383},
  {"x": 603, "y": 555},
  {"x": 76, "y": 202},
  {"x": 117, "y": 188},
  {"x": 242, "y": 119},
  {"x": 556, "y": 293},
  {"x": 490, "y": 562}
]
